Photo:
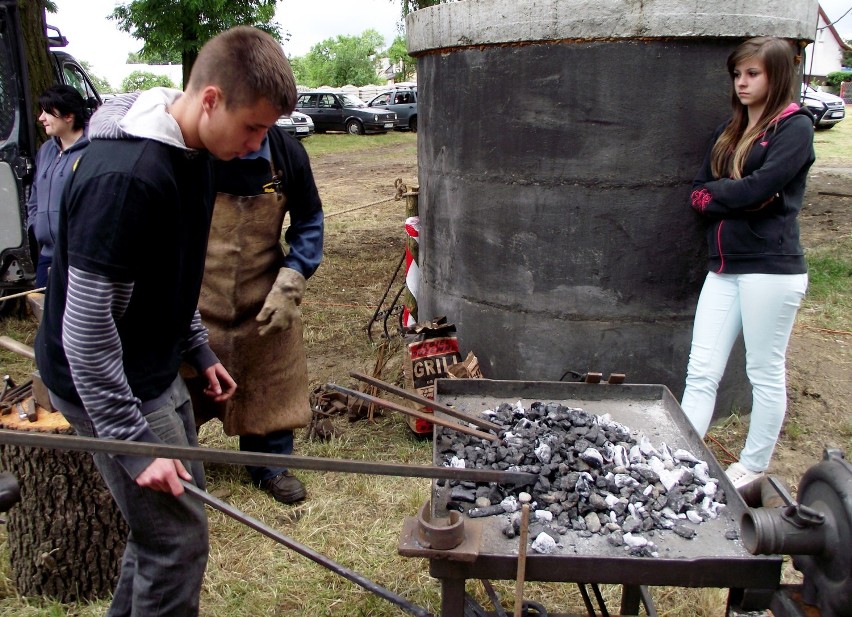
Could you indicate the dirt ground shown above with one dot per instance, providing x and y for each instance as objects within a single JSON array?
[{"x": 818, "y": 361}]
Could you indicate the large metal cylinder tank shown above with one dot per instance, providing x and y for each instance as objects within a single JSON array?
[{"x": 557, "y": 144}]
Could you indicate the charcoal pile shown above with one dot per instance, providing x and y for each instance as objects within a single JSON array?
[{"x": 595, "y": 476}]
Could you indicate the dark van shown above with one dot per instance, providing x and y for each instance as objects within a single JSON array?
[{"x": 18, "y": 253}]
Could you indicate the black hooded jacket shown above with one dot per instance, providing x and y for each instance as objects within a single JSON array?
[{"x": 754, "y": 225}]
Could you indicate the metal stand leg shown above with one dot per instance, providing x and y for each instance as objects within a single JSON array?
[
  {"x": 452, "y": 597},
  {"x": 631, "y": 596}
]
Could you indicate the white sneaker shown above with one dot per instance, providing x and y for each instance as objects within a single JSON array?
[{"x": 740, "y": 476}]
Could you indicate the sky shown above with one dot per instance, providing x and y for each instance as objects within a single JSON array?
[{"x": 94, "y": 38}]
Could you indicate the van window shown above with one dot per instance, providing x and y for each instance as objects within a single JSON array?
[{"x": 8, "y": 90}]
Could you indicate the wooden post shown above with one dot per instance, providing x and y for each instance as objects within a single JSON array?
[{"x": 66, "y": 535}]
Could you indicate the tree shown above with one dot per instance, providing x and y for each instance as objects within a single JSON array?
[
  {"x": 101, "y": 84},
  {"x": 171, "y": 28},
  {"x": 142, "y": 80},
  {"x": 409, "y": 6},
  {"x": 398, "y": 55},
  {"x": 340, "y": 61},
  {"x": 847, "y": 55},
  {"x": 139, "y": 58},
  {"x": 32, "y": 14}
]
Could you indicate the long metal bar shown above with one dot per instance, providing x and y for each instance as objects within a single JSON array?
[
  {"x": 422, "y": 400},
  {"x": 258, "y": 459},
  {"x": 303, "y": 550},
  {"x": 381, "y": 402}
]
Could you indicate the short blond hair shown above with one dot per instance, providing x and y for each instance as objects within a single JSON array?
[{"x": 246, "y": 64}]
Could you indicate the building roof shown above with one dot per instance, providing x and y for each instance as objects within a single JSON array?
[{"x": 832, "y": 29}]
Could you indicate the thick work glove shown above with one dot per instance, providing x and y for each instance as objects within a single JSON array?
[{"x": 282, "y": 302}]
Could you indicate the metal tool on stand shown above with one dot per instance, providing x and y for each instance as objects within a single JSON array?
[
  {"x": 393, "y": 310},
  {"x": 380, "y": 402},
  {"x": 427, "y": 402}
]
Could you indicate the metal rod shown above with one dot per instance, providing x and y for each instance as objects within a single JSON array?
[
  {"x": 258, "y": 459},
  {"x": 599, "y": 597},
  {"x": 22, "y": 293},
  {"x": 428, "y": 417},
  {"x": 495, "y": 599},
  {"x": 587, "y": 600},
  {"x": 7, "y": 342},
  {"x": 647, "y": 601},
  {"x": 417, "y": 398},
  {"x": 303, "y": 550}
]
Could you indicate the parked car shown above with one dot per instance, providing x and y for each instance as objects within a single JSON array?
[
  {"x": 299, "y": 125},
  {"x": 338, "y": 111},
  {"x": 827, "y": 108},
  {"x": 403, "y": 102}
]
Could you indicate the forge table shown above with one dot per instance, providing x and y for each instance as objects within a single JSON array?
[{"x": 707, "y": 560}]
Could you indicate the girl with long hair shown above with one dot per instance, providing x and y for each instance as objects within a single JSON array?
[{"x": 750, "y": 190}]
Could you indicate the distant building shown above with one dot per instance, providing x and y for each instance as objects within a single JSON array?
[{"x": 825, "y": 54}]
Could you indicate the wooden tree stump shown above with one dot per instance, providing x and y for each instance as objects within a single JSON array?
[{"x": 66, "y": 536}]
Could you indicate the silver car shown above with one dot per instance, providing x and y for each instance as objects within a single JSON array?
[
  {"x": 402, "y": 101},
  {"x": 827, "y": 108},
  {"x": 299, "y": 125}
]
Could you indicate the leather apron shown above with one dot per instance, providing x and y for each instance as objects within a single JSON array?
[{"x": 243, "y": 258}]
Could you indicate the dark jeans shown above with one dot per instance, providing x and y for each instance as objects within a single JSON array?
[
  {"x": 166, "y": 554},
  {"x": 279, "y": 442},
  {"x": 42, "y": 268}
]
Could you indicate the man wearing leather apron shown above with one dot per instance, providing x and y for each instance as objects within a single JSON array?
[{"x": 250, "y": 300}]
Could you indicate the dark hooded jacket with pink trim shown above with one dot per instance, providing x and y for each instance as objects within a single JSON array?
[{"x": 754, "y": 220}]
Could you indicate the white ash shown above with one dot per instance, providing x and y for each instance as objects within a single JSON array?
[
  {"x": 595, "y": 476},
  {"x": 544, "y": 544}
]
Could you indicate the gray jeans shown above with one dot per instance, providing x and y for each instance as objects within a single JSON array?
[{"x": 166, "y": 554}]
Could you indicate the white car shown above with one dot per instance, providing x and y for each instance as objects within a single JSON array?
[
  {"x": 827, "y": 108},
  {"x": 299, "y": 125}
]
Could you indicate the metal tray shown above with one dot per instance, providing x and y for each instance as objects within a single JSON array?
[{"x": 707, "y": 560}]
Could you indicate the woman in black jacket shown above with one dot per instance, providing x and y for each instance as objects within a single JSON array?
[
  {"x": 750, "y": 191},
  {"x": 64, "y": 116}
]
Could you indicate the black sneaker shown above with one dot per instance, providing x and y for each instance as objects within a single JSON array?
[{"x": 286, "y": 488}]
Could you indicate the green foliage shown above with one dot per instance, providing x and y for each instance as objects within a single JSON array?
[
  {"x": 173, "y": 57},
  {"x": 827, "y": 303},
  {"x": 409, "y": 6},
  {"x": 171, "y": 29},
  {"x": 340, "y": 61},
  {"x": 834, "y": 79},
  {"x": 847, "y": 55},
  {"x": 101, "y": 84},
  {"x": 398, "y": 55},
  {"x": 143, "y": 80}
]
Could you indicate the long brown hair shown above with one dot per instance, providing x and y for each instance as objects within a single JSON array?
[{"x": 779, "y": 62}]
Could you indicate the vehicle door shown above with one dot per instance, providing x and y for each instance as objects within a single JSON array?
[
  {"x": 69, "y": 72},
  {"x": 307, "y": 104},
  {"x": 332, "y": 112},
  {"x": 404, "y": 104},
  {"x": 17, "y": 136}
]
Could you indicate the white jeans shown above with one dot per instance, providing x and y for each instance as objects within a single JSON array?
[{"x": 764, "y": 307}]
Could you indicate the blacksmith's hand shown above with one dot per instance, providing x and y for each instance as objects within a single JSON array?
[
  {"x": 282, "y": 302},
  {"x": 220, "y": 385},
  {"x": 162, "y": 475}
]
